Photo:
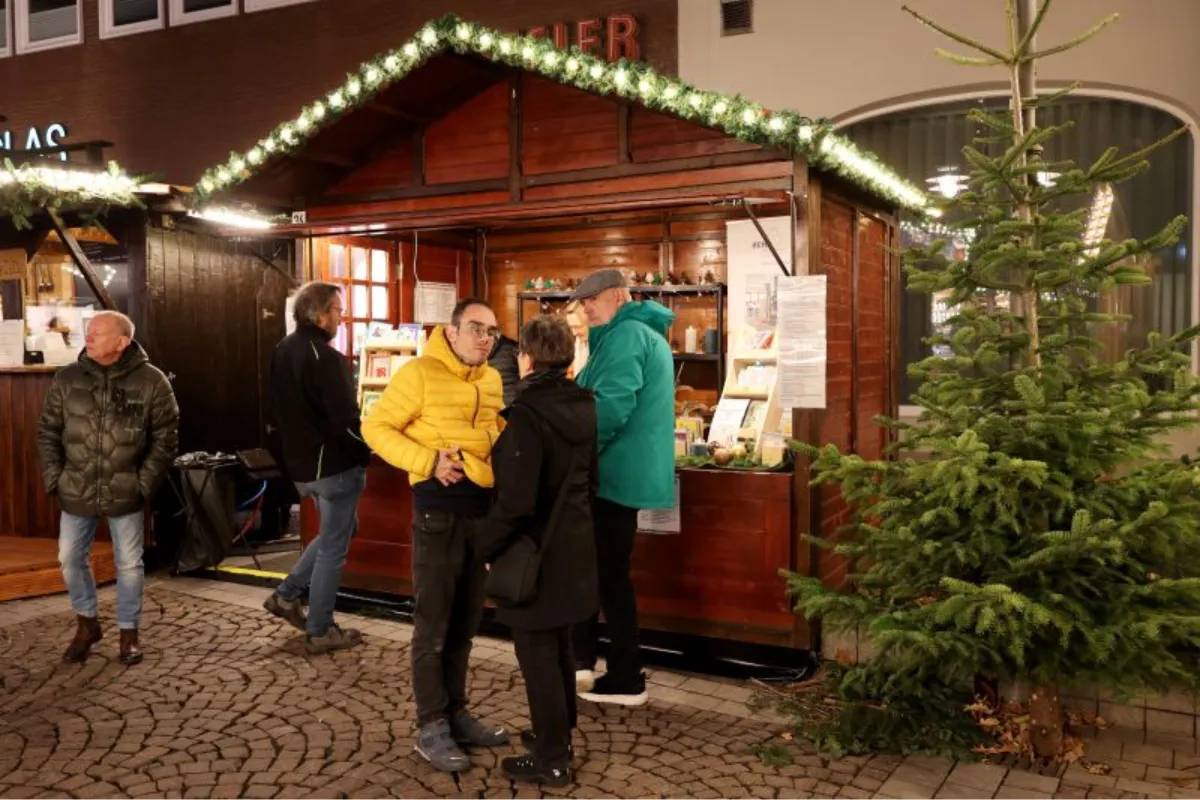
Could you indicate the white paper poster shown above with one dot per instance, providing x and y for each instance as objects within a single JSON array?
[
  {"x": 727, "y": 420},
  {"x": 12, "y": 342},
  {"x": 435, "y": 302},
  {"x": 752, "y": 273},
  {"x": 661, "y": 520},
  {"x": 802, "y": 341}
]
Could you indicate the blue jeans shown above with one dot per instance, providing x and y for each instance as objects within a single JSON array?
[
  {"x": 319, "y": 570},
  {"x": 75, "y": 537}
]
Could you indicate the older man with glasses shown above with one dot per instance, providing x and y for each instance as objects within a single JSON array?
[{"x": 438, "y": 420}]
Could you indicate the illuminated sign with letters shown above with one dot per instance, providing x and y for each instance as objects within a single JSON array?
[{"x": 35, "y": 138}]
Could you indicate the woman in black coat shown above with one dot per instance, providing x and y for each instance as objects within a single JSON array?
[{"x": 548, "y": 447}]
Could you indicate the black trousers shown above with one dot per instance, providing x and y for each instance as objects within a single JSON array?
[
  {"x": 448, "y": 582},
  {"x": 549, "y": 671},
  {"x": 616, "y": 527}
]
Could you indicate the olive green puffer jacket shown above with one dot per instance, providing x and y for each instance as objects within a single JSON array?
[{"x": 108, "y": 435}]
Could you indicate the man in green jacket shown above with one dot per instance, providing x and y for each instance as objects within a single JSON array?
[{"x": 631, "y": 371}]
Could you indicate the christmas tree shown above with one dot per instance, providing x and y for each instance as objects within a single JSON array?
[{"x": 1030, "y": 528}]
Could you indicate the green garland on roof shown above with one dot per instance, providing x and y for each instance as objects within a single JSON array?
[
  {"x": 635, "y": 81},
  {"x": 30, "y": 188}
]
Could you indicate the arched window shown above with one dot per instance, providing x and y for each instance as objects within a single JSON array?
[{"x": 925, "y": 145}]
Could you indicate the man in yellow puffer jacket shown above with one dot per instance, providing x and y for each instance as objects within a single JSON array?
[{"x": 437, "y": 420}]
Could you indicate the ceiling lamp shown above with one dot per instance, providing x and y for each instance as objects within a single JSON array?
[{"x": 948, "y": 182}]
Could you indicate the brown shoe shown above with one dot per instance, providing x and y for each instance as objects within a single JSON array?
[
  {"x": 87, "y": 634},
  {"x": 130, "y": 652}
]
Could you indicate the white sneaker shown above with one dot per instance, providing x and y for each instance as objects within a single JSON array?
[{"x": 585, "y": 679}]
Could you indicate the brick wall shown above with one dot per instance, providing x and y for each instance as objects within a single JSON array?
[
  {"x": 179, "y": 100},
  {"x": 837, "y": 262}
]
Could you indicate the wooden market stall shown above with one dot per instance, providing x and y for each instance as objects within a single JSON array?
[
  {"x": 488, "y": 164},
  {"x": 75, "y": 239}
]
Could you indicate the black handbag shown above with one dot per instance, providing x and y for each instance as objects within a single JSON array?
[{"x": 512, "y": 580}]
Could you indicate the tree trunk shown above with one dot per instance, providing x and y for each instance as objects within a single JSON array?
[{"x": 1046, "y": 721}]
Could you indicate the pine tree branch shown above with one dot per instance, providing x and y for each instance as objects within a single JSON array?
[
  {"x": 967, "y": 61},
  {"x": 1076, "y": 42},
  {"x": 958, "y": 37}
]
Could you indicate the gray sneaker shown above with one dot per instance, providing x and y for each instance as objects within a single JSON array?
[
  {"x": 471, "y": 730},
  {"x": 290, "y": 611},
  {"x": 335, "y": 638},
  {"x": 436, "y": 744}
]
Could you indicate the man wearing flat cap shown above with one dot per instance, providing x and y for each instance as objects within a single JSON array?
[{"x": 632, "y": 373}]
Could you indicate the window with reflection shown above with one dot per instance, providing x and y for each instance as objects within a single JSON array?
[
  {"x": 925, "y": 145},
  {"x": 365, "y": 272}
]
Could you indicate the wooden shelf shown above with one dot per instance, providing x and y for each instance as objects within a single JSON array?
[
  {"x": 391, "y": 348},
  {"x": 766, "y": 357},
  {"x": 747, "y": 393},
  {"x": 696, "y": 357},
  {"x": 679, "y": 291}
]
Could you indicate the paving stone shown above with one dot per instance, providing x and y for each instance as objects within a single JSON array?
[
  {"x": 226, "y": 706},
  {"x": 982, "y": 777},
  {"x": 1018, "y": 780}
]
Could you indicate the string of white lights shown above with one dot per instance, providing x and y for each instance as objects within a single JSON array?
[{"x": 738, "y": 117}]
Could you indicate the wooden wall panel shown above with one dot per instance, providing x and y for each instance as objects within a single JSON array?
[
  {"x": 720, "y": 576},
  {"x": 214, "y": 311},
  {"x": 551, "y": 112},
  {"x": 393, "y": 169},
  {"x": 25, "y": 508},
  {"x": 656, "y": 137},
  {"x": 471, "y": 143},
  {"x": 439, "y": 263},
  {"x": 837, "y": 420}
]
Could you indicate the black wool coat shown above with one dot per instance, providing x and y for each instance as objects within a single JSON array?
[{"x": 550, "y": 440}]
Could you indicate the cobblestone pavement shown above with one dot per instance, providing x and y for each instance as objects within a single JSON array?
[{"x": 228, "y": 705}]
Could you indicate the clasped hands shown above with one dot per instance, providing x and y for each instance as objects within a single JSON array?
[{"x": 448, "y": 469}]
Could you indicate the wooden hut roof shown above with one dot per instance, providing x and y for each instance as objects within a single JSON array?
[
  {"x": 449, "y": 61},
  {"x": 30, "y": 189}
]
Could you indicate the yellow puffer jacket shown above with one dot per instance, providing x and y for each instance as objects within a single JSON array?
[{"x": 434, "y": 403}]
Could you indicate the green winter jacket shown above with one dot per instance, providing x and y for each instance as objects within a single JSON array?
[
  {"x": 108, "y": 435},
  {"x": 632, "y": 372}
]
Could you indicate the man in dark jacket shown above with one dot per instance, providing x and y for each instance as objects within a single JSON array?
[
  {"x": 107, "y": 436},
  {"x": 313, "y": 396},
  {"x": 547, "y": 450},
  {"x": 504, "y": 360}
]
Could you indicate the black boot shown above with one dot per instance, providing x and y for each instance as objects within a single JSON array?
[
  {"x": 529, "y": 739},
  {"x": 527, "y": 770}
]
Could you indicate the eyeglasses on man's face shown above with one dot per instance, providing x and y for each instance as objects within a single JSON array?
[{"x": 480, "y": 331}]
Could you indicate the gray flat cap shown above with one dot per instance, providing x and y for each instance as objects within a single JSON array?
[{"x": 597, "y": 282}]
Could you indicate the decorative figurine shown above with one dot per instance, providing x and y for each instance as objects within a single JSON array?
[{"x": 709, "y": 278}]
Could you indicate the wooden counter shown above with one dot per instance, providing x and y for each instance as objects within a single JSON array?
[
  {"x": 718, "y": 577},
  {"x": 25, "y": 508}
]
